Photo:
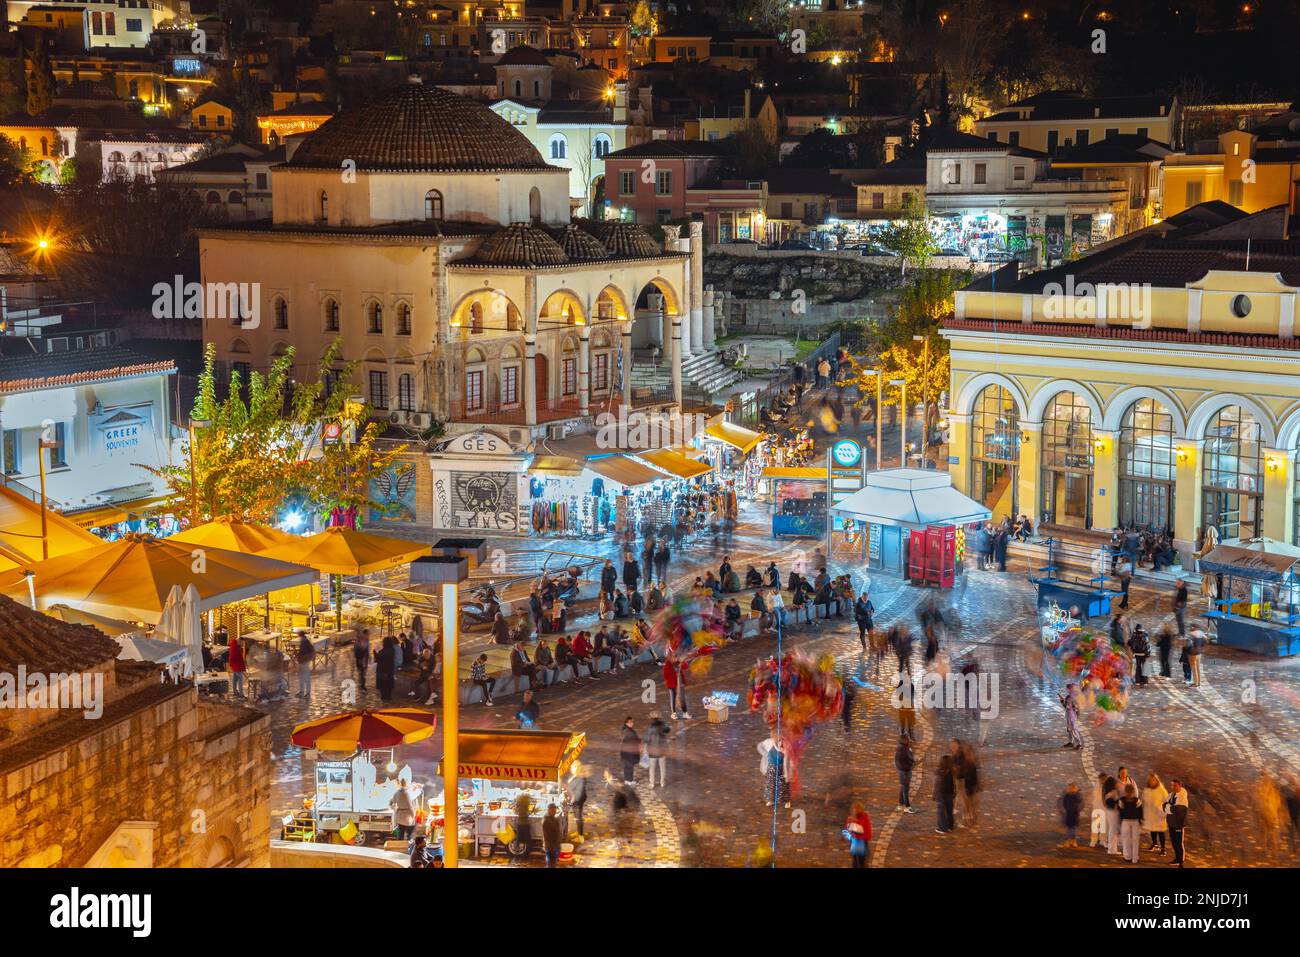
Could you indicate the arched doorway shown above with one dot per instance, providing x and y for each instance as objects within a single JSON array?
[
  {"x": 1148, "y": 461},
  {"x": 1067, "y": 461},
  {"x": 1233, "y": 483},
  {"x": 995, "y": 451},
  {"x": 543, "y": 381}
]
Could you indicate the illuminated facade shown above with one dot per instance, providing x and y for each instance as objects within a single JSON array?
[{"x": 1150, "y": 383}]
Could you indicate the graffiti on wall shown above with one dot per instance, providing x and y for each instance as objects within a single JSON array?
[{"x": 487, "y": 500}]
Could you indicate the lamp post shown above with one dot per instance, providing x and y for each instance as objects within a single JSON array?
[
  {"x": 450, "y": 726},
  {"x": 194, "y": 485},
  {"x": 925, "y": 390},
  {"x": 880, "y": 376},
  {"x": 902, "y": 423}
]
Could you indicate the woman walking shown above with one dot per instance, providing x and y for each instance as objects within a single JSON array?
[
  {"x": 863, "y": 612},
  {"x": 1153, "y": 815},
  {"x": 858, "y": 828},
  {"x": 656, "y": 747}
]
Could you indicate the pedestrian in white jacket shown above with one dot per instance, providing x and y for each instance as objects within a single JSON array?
[{"x": 1154, "y": 821}]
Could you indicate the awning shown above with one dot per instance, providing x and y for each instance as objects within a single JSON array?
[
  {"x": 517, "y": 755},
  {"x": 1247, "y": 563},
  {"x": 558, "y": 465},
  {"x": 20, "y": 532},
  {"x": 734, "y": 435},
  {"x": 112, "y": 514},
  {"x": 675, "y": 463},
  {"x": 793, "y": 472},
  {"x": 623, "y": 469}
]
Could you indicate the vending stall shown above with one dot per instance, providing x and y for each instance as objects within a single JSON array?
[
  {"x": 915, "y": 523},
  {"x": 798, "y": 497},
  {"x": 513, "y": 771},
  {"x": 1258, "y": 608}
]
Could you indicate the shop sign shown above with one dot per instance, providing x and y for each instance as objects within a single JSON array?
[
  {"x": 479, "y": 443},
  {"x": 504, "y": 772}
]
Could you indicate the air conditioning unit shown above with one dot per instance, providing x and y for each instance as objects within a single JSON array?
[
  {"x": 517, "y": 437},
  {"x": 419, "y": 420},
  {"x": 398, "y": 417},
  {"x": 557, "y": 431}
]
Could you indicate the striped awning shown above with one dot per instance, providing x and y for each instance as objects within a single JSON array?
[
  {"x": 623, "y": 469},
  {"x": 734, "y": 435},
  {"x": 675, "y": 463}
]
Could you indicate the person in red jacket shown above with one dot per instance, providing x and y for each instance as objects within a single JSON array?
[
  {"x": 675, "y": 682},
  {"x": 581, "y": 652},
  {"x": 858, "y": 829},
  {"x": 235, "y": 663}
]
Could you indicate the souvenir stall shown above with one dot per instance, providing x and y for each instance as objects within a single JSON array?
[
  {"x": 798, "y": 497},
  {"x": 728, "y": 447},
  {"x": 567, "y": 500},
  {"x": 1089, "y": 599},
  {"x": 631, "y": 488},
  {"x": 906, "y": 514},
  {"x": 503, "y": 767},
  {"x": 1258, "y": 608}
]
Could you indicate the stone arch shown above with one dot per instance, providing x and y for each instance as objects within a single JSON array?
[
  {"x": 611, "y": 303},
  {"x": 239, "y": 347},
  {"x": 973, "y": 387},
  {"x": 497, "y": 310},
  {"x": 1120, "y": 402},
  {"x": 568, "y": 305},
  {"x": 1288, "y": 433},
  {"x": 1209, "y": 407},
  {"x": 672, "y": 301},
  {"x": 1042, "y": 398}
]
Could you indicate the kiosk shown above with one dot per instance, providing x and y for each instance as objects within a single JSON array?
[
  {"x": 1091, "y": 598},
  {"x": 1259, "y": 591}
]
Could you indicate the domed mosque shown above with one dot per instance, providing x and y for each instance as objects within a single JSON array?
[{"x": 431, "y": 236}]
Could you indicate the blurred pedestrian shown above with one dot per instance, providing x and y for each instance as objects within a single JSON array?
[
  {"x": 904, "y": 761},
  {"x": 1099, "y": 810},
  {"x": 629, "y": 751},
  {"x": 776, "y": 772},
  {"x": 1176, "y": 809},
  {"x": 858, "y": 829},
  {"x": 1070, "y": 702},
  {"x": 552, "y": 836},
  {"x": 945, "y": 791},
  {"x": 656, "y": 746},
  {"x": 1071, "y": 802}
]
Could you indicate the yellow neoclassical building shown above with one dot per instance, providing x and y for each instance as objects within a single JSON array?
[{"x": 1154, "y": 383}]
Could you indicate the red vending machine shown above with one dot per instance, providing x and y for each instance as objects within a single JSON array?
[
  {"x": 916, "y": 556},
  {"x": 941, "y": 555}
]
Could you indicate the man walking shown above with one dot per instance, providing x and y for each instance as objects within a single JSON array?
[
  {"x": 1176, "y": 814},
  {"x": 361, "y": 655},
  {"x": 904, "y": 761},
  {"x": 1180, "y": 607},
  {"x": 1125, "y": 574}
]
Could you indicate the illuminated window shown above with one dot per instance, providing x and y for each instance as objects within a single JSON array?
[
  {"x": 1147, "y": 462},
  {"x": 1233, "y": 477},
  {"x": 1067, "y": 461},
  {"x": 995, "y": 449}
]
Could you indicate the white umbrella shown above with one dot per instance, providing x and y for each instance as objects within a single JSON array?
[
  {"x": 174, "y": 624},
  {"x": 191, "y": 630}
]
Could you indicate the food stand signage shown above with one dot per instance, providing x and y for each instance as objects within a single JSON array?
[{"x": 505, "y": 772}]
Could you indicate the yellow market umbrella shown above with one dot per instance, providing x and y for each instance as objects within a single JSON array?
[
  {"x": 132, "y": 577},
  {"x": 20, "y": 533},
  {"x": 109, "y": 626},
  {"x": 340, "y": 550},
  {"x": 364, "y": 729},
  {"x": 251, "y": 538}
]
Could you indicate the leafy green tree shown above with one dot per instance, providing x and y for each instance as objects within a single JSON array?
[
  {"x": 910, "y": 238},
  {"x": 40, "y": 80}
]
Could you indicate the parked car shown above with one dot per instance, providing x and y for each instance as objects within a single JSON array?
[
  {"x": 797, "y": 245},
  {"x": 870, "y": 249}
]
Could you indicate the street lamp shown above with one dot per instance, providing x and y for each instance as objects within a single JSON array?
[{"x": 902, "y": 424}]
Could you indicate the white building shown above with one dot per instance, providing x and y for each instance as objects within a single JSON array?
[
  {"x": 110, "y": 23},
  {"x": 105, "y": 409}
]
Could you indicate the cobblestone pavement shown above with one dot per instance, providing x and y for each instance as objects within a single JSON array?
[{"x": 1219, "y": 738}]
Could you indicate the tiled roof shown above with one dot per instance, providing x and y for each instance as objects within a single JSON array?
[
  {"x": 955, "y": 141},
  {"x": 669, "y": 149},
  {"x": 27, "y": 372},
  {"x": 1080, "y": 330},
  {"x": 48, "y": 645},
  {"x": 622, "y": 239},
  {"x": 418, "y": 128},
  {"x": 1067, "y": 105},
  {"x": 578, "y": 244},
  {"x": 519, "y": 244}
]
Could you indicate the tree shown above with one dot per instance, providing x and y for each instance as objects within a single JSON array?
[
  {"x": 261, "y": 446},
  {"x": 40, "y": 80},
  {"x": 820, "y": 149},
  {"x": 910, "y": 238},
  {"x": 753, "y": 152},
  {"x": 15, "y": 163}
]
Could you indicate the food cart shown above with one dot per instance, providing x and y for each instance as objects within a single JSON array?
[
  {"x": 357, "y": 790},
  {"x": 505, "y": 765},
  {"x": 1259, "y": 592}
]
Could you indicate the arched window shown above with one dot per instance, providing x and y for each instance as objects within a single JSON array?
[
  {"x": 45, "y": 146},
  {"x": 1234, "y": 474},
  {"x": 280, "y": 312},
  {"x": 331, "y": 316},
  {"x": 1147, "y": 463},
  {"x": 323, "y": 213},
  {"x": 476, "y": 317},
  {"x": 519, "y": 88},
  {"x": 374, "y": 318},
  {"x": 1067, "y": 462},
  {"x": 213, "y": 197},
  {"x": 559, "y": 146},
  {"x": 404, "y": 319},
  {"x": 600, "y": 146},
  {"x": 236, "y": 198},
  {"x": 537, "y": 89},
  {"x": 433, "y": 205},
  {"x": 995, "y": 450},
  {"x": 535, "y": 205}
]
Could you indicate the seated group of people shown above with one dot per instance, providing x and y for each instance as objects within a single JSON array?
[{"x": 1148, "y": 546}]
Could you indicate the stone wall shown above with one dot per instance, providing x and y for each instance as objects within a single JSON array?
[{"x": 198, "y": 772}]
